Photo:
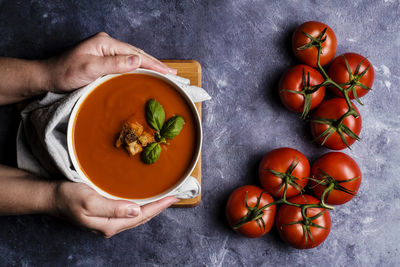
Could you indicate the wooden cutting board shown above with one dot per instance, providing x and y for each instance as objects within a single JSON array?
[{"x": 191, "y": 70}]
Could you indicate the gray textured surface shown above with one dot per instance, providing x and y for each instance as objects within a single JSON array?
[{"x": 243, "y": 47}]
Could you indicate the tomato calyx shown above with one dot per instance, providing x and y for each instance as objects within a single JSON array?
[
  {"x": 287, "y": 178},
  {"x": 354, "y": 80},
  {"x": 307, "y": 222},
  {"x": 314, "y": 42},
  {"x": 254, "y": 213},
  {"x": 306, "y": 92},
  {"x": 336, "y": 126},
  {"x": 332, "y": 184}
]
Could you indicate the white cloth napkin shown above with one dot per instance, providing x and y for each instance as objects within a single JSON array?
[{"x": 42, "y": 137}]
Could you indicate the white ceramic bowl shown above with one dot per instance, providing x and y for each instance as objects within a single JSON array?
[{"x": 90, "y": 88}]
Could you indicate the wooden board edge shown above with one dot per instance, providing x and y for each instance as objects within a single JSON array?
[{"x": 193, "y": 67}]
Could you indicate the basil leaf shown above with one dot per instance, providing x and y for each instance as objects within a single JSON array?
[
  {"x": 172, "y": 127},
  {"x": 155, "y": 115},
  {"x": 151, "y": 153}
]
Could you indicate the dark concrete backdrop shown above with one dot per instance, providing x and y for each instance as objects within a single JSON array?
[{"x": 243, "y": 46}]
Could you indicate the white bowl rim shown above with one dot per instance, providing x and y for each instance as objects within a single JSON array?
[{"x": 71, "y": 122}]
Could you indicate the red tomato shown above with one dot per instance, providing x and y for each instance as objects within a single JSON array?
[
  {"x": 236, "y": 209},
  {"x": 298, "y": 234},
  {"x": 338, "y": 73},
  {"x": 342, "y": 171},
  {"x": 295, "y": 79},
  {"x": 333, "y": 109},
  {"x": 279, "y": 161},
  {"x": 309, "y": 55}
]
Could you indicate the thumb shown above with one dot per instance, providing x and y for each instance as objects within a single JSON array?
[
  {"x": 118, "y": 64},
  {"x": 103, "y": 207}
]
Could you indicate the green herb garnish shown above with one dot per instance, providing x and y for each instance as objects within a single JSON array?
[
  {"x": 172, "y": 127},
  {"x": 151, "y": 153},
  {"x": 155, "y": 116}
]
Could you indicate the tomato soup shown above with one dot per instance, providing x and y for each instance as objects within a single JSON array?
[{"x": 99, "y": 121}]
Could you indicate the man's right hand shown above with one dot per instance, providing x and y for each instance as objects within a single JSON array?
[{"x": 83, "y": 206}]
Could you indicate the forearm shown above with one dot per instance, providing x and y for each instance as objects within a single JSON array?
[
  {"x": 23, "y": 193},
  {"x": 21, "y": 79}
]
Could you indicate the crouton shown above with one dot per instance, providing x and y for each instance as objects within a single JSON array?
[
  {"x": 146, "y": 138},
  {"x": 133, "y": 138},
  {"x": 134, "y": 148}
]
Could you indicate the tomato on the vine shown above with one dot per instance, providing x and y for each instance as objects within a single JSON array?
[
  {"x": 302, "y": 232},
  {"x": 298, "y": 89},
  {"x": 245, "y": 212},
  {"x": 332, "y": 135},
  {"x": 358, "y": 73},
  {"x": 308, "y": 37},
  {"x": 340, "y": 173},
  {"x": 284, "y": 168}
]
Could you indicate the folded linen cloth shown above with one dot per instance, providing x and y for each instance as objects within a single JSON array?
[{"x": 42, "y": 136}]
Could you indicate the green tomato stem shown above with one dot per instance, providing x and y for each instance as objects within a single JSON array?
[{"x": 326, "y": 191}]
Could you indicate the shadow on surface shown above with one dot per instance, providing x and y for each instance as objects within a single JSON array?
[
  {"x": 9, "y": 121},
  {"x": 288, "y": 60}
]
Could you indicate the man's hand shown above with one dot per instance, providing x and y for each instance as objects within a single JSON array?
[
  {"x": 24, "y": 193},
  {"x": 83, "y": 206},
  {"x": 97, "y": 56}
]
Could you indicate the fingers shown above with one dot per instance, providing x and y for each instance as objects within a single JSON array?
[
  {"x": 111, "y": 226},
  {"x": 151, "y": 210},
  {"x": 153, "y": 64},
  {"x": 148, "y": 212},
  {"x": 115, "y": 64},
  {"x": 97, "y": 206},
  {"x": 109, "y": 46},
  {"x": 150, "y": 62}
]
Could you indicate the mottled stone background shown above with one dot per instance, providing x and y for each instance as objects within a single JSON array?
[{"x": 243, "y": 46}]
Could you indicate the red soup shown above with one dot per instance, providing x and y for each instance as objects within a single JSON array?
[{"x": 99, "y": 120}]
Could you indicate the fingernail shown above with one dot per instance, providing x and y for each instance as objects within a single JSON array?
[
  {"x": 133, "y": 211},
  {"x": 172, "y": 71},
  {"x": 133, "y": 60}
]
